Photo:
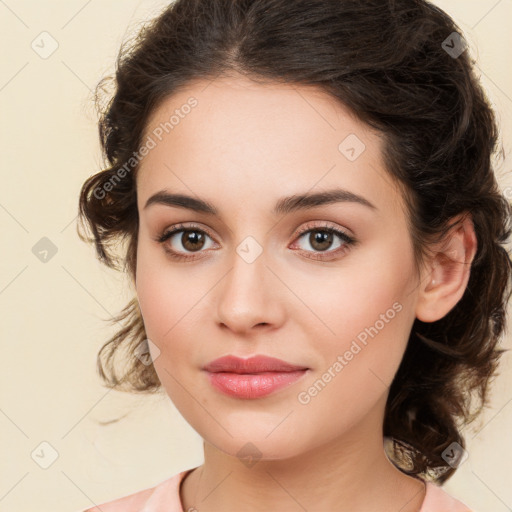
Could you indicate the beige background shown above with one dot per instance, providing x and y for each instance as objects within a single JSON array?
[{"x": 52, "y": 313}]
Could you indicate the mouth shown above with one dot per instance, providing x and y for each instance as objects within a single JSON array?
[
  {"x": 254, "y": 364},
  {"x": 252, "y": 378}
]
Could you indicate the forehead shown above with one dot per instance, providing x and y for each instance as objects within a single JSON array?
[{"x": 235, "y": 134}]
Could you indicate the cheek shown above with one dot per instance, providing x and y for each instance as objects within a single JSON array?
[
  {"x": 158, "y": 291},
  {"x": 157, "y": 300},
  {"x": 371, "y": 324},
  {"x": 369, "y": 311},
  {"x": 164, "y": 314},
  {"x": 154, "y": 300},
  {"x": 172, "y": 303},
  {"x": 169, "y": 319}
]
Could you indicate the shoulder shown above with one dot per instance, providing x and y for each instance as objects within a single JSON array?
[
  {"x": 164, "y": 494},
  {"x": 436, "y": 498},
  {"x": 134, "y": 501}
]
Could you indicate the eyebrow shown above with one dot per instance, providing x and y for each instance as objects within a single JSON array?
[{"x": 284, "y": 205}]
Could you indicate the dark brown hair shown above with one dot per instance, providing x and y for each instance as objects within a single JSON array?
[{"x": 392, "y": 63}]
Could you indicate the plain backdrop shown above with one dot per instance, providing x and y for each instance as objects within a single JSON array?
[{"x": 66, "y": 441}]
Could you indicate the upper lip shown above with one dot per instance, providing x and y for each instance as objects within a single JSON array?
[{"x": 255, "y": 364}]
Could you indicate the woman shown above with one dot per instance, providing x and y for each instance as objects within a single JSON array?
[{"x": 315, "y": 235}]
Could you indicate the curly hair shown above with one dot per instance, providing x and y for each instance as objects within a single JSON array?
[{"x": 389, "y": 62}]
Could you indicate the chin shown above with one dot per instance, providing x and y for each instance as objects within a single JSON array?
[{"x": 251, "y": 444}]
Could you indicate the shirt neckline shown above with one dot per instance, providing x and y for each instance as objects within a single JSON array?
[{"x": 427, "y": 492}]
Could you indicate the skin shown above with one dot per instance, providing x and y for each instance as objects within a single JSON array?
[{"x": 244, "y": 146}]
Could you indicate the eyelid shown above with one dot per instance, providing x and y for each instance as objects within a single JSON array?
[
  {"x": 185, "y": 227},
  {"x": 310, "y": 226}
]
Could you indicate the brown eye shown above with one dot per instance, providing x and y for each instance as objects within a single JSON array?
[
  {"x": 182, "y": 242},
  {"x": 320, "y": 240},
  {"x": 192, "y": 240}
]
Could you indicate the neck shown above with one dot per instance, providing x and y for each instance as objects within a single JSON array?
[{"x": 350, "y": 473}]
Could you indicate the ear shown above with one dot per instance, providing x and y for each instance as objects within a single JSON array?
[{"x": 446, "y": 274}]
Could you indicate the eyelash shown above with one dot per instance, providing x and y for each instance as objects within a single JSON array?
[{"x": 168, "y": 233}]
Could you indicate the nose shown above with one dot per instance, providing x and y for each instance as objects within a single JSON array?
[{"x": 250, "y": 296}]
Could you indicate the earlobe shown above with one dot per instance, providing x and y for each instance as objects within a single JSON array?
[{"x": 446, "y": 277}]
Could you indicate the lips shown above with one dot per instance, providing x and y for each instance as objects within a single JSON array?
[
  {"x": 255, "y": 364},
  {"x": 252, "y": 378}
]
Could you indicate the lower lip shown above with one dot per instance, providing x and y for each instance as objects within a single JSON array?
[{"x": 254, "y": 385}]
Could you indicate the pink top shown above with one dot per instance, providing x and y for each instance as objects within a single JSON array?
[{"x": 165, "y": 497}]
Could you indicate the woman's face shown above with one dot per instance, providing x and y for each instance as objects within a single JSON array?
[{"x": 261, "y": 276}]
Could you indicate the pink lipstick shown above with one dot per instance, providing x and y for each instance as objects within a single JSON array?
[{"x": 251, "y": 378}]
